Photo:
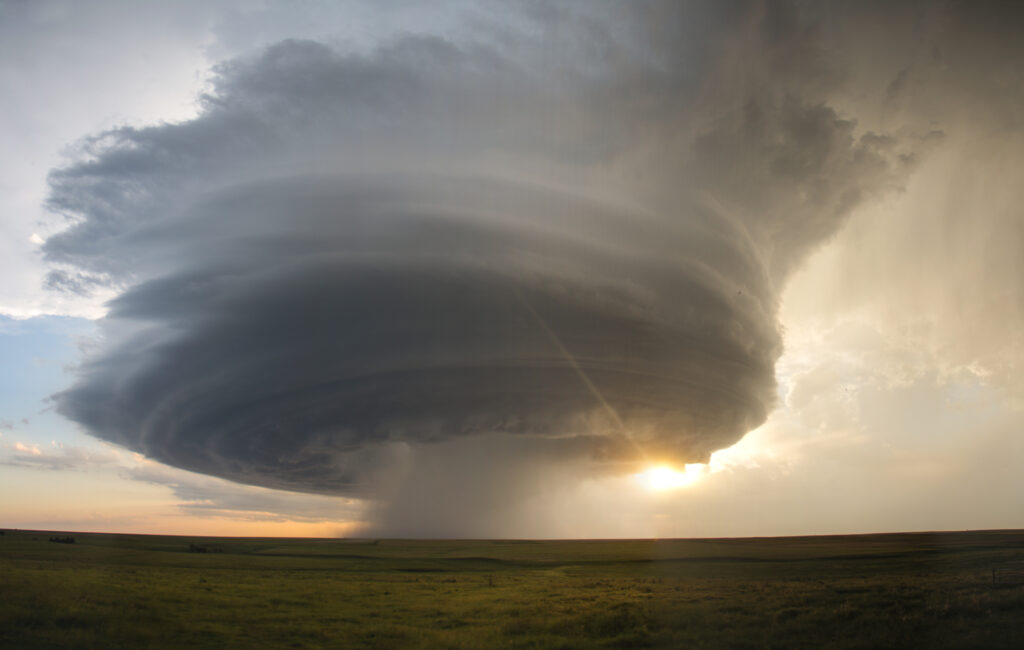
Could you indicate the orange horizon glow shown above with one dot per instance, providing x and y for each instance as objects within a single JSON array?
[{"x": 177, "y": 526}]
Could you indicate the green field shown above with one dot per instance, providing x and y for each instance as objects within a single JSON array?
[{"x": 871, "y": 591}]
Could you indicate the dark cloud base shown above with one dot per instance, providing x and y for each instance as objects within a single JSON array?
[{"x": 281, "y": 375}]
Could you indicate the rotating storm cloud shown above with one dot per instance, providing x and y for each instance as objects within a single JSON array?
[{"x": 464, "y": 258}]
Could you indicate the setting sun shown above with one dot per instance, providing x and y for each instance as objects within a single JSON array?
[{"x": 664, "y": 477}]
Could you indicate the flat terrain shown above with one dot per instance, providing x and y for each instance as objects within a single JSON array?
[{"x": 941, "y": 590}]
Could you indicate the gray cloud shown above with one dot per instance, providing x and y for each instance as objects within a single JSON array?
[
  {"x": 570, "y": 243},
  {"x": 945, "y": 260},
  {"x": 206, "y": 497},
  {"x": 56, "y": 458},
  {"x": 81, "y": 284}
]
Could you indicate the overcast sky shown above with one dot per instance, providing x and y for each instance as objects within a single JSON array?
[{"x": 475, "y": 269}]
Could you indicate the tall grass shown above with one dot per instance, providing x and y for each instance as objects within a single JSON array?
[{"x": 909, "y": 591}]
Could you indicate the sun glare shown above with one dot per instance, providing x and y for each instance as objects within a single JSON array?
[{"x": 663, "y": 477}]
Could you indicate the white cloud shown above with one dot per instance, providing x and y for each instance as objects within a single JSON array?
[
  {"x": 27, "y": 449},
  {"x": 58, "y": 457}
]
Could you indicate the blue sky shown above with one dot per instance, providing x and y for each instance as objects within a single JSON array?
[{"x": 38, "y": 354}]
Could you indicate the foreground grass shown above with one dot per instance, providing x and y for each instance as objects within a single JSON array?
[{"x": 913, "y": 591}]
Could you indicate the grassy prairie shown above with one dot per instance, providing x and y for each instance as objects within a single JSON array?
[{"x": 872, "y": 591}]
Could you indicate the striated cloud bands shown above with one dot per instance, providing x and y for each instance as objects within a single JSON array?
[{"x": 346, "y": 260}]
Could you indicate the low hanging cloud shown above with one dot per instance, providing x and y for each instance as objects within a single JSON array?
[
  {"x": 203, "y": 496},
  {"x": 55, "y": 457},
  {"x": 349, "y": 261}
]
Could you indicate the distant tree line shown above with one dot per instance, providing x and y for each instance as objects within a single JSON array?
[
  {"x": 63, "y": 540},
  {"x": 196, "y": 548}
]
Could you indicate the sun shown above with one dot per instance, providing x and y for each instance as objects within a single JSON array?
[{"x": 663, "y": 477}]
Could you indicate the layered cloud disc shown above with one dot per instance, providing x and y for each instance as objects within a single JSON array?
[
  {"x": 416, "y": 311},
  {"x": 345, "y": 258}
]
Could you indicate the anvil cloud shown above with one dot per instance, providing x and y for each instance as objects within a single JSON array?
[{"x": 570, "y": 244}]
